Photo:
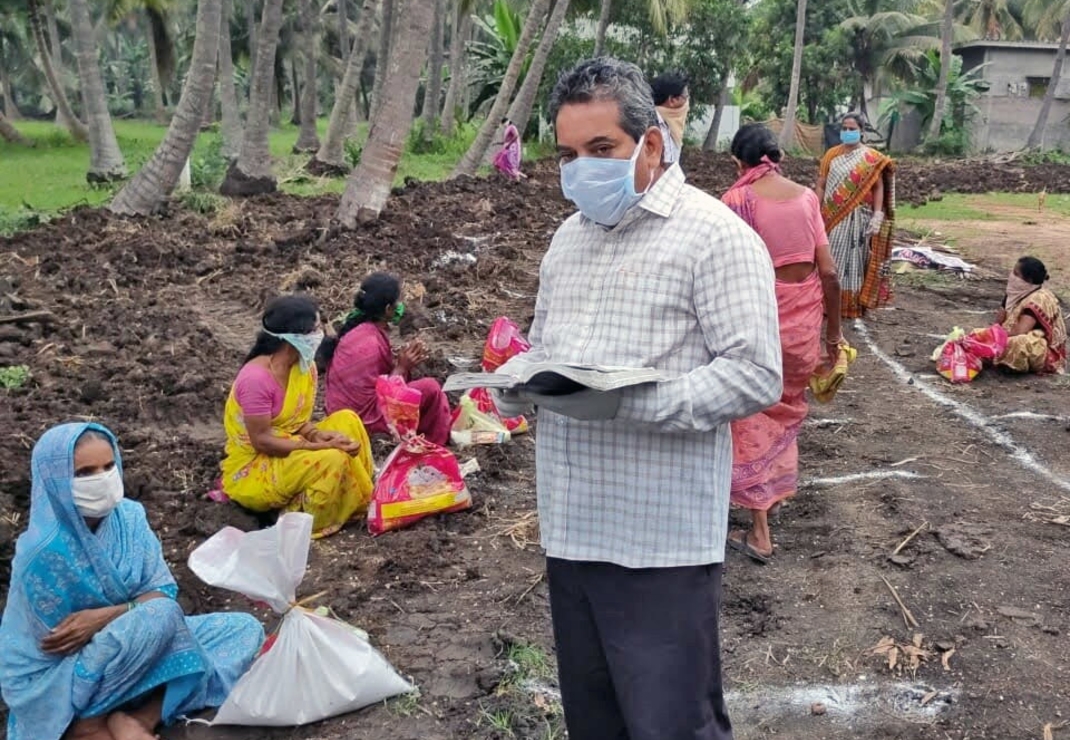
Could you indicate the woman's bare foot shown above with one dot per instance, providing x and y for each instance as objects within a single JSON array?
[{"x": 125, "y": 727}]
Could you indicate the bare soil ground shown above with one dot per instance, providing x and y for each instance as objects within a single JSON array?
[{"x": 150, "y": 320}]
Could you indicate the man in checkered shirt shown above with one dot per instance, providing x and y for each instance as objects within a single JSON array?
[{"x": 633, "y": 511}]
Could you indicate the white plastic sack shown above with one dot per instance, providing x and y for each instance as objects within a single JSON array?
[{"x": 318, "y": 667}]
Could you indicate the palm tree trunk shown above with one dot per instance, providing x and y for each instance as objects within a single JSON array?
[
  {"x": 343, "y": 28},
  {"x": 946, "y": 29},
  {"x": 159, "y": 111},
  {"x": 382, "y": 57},
  {"x": 308, "y": 139},
  {"x": 369, "y": 183},
  {"x": 472, "y": 158},
  {"x": 11, "y": 110},
  {"x": 1036, "y": 138},
  {"x": 155, "y": 182},
  {"x": 520, "y": 111},
  {"x": 711, "y": 143},
  {"x": 228, "y": 94},
  {"x": 433, "y": 90},
  {"x": 105, "y": 159},
  {"x": 787, "y": 133},
  {"x": 64, "y": 113},
  {"x": 462, "y": 29},
  {"x": 251, "y": 21},
  {"x": 251, "y": 173},
  {"x": 330, "y": 159},
  {"x": 603, "y": 26},
  {"x": 8, "y": 132}
]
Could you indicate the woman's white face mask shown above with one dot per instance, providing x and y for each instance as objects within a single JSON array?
[{"x": 96, "y": 496}]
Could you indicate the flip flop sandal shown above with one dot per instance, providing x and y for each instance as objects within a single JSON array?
[{"x": 747, "y": 549}]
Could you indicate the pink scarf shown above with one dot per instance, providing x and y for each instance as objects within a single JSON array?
[
  {"x": 740, "y": 198},
  {"x": 1018, "y": 289}
]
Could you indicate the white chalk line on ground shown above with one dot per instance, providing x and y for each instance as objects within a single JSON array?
[
  {"x": 839, "y": 480},
  {"x": 1032, "y": 416},
  {"x": 976, "y": 419},
  {"x": 816, "y": 422}
]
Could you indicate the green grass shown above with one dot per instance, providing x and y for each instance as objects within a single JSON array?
[
  {"x": 959, "y": 207},
  {"x": 38, "y": 182}
]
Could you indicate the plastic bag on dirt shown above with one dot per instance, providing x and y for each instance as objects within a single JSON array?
[
  {"x": 400, "y": 405},
  {"x": 473, "y": 425},
  {"x": 420, "y": 478},
  {"x": 954, "y": 361},
  {"x": 313, "y": 667},
  {"x": 504, "y": 342}
]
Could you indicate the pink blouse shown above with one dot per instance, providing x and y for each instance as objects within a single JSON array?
[
  {"x": 362, "y": 355},
  {"x": 257, "y": 391},
  {"x": 791, "y": 229}
]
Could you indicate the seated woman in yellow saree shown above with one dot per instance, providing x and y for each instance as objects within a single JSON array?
[
  {"x": 856, "y": 187},
  {"x": 1034, "y": 322},
  {"x": 276, "y": 458}
]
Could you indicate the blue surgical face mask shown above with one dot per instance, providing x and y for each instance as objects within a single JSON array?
[
  {"x": 305, "y": 344},
  {"x": 603, "y": 189},
  {"x": 851, "y": 136}
]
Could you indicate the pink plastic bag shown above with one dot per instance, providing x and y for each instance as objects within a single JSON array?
[
  {"x": 987, "y": 343},
  {"x": 419, "y": 479},
  {"x": 400, "y": 405},
  {"x": 957, "y": 364},
  {"x": 504, "y": 341}
]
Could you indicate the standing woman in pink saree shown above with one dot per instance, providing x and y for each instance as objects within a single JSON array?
[
  {"x": 507, "y": 161},
  {"x": 765, "y": 464}
]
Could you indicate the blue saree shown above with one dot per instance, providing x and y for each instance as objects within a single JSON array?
[{"x": 61, "y": 567}]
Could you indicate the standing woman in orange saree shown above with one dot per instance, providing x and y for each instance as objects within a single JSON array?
[{"x": 856, "y": 187}]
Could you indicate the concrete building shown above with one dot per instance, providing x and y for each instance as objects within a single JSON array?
[{"x": 1018, "y": 73}]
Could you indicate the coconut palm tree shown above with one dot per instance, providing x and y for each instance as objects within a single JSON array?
[
  {"x": 787, "y": 132},
  {"x": 308, "y": 139},
  {"x": 460, "y": 34},
  {"x": 382, "y": 55},
  {"x": 105, "y": 159},
  {"x": 155, "y": 181},
  {"x": 1044, "y": 16},
  {"x": 251, "y": 173},
  {"x": 64, "y": 113},
  {"x": 994, "y": 20},
  {"x": 947, "y": 30},
  {"x": 369, "y": 183},
  {"x": 662, "y": 13},
  {"x": 8, "y": 132},
  {"x": 330, "y": 159},
  {"x": 520, "y": 110},
  {"x": 435, "y": 65},
  {"x": 474, "y": 156},
  {"x": 228, "y": 93}
]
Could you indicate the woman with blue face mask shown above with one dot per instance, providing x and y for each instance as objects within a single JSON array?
[
  {"x": 856, "y": 187},
  {"x": 93, "y": 644},
  {"x": 276, "y": 458}
]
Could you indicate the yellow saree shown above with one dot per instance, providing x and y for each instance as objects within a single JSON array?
[
  {"x": 331, "y": 485},
  {"x": 1042, "y": 350}
]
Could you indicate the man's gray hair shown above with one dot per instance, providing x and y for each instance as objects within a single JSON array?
[{"x": 606, "y": 78}]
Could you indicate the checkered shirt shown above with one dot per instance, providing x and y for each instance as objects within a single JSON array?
[{"x": 682, "y": 285}]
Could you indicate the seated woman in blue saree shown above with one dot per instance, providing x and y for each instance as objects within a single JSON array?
[{"x": 93, "y": 644}]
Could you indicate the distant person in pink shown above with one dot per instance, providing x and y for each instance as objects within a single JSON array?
[
  {"x": 507, "y": 161},
  {"x": 361, "y": 353}
]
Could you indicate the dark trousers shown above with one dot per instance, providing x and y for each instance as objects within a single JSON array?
[{"x": 638, "y": 651}]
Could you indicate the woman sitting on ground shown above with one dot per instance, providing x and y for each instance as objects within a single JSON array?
[
  {"x": 765, "y": 466},
  {"x": 362, "y": 352},
  {"x": 276, "y": 458},
  {"x": 1034, "y": 322},
  {"x": 93, "y": 644}
]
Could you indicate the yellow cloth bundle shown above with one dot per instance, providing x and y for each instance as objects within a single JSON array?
[{"x": 823, "y": 386}]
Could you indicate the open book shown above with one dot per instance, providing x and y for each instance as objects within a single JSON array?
[{"x": 588, "y": 392}]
